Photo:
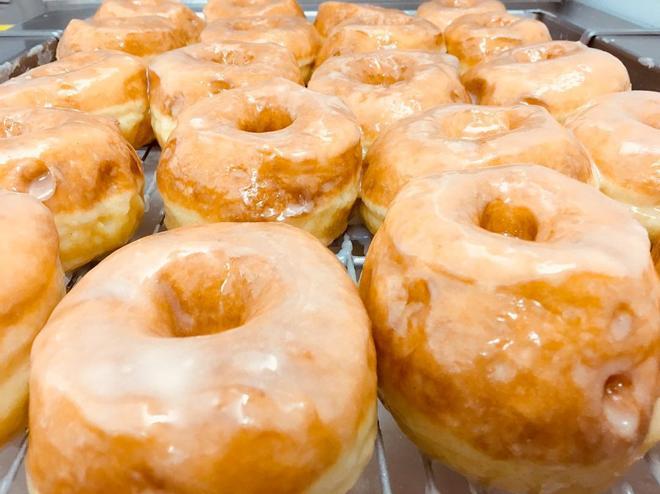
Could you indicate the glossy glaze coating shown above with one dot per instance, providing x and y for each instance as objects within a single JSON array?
[
  {"x": 142, "y": 36},
  {"x": 558, "y": 75},
  {"x": 622, "y": 134},
  {"x": 293, "y": 33},
  {"x": 220, "y": 9},
  {"x": 365, "y": 34},
  {"x": 172, "y": 10},
  {"x": 269, "y": 152},
  {"x": 444, "y": 12},
  {"x": 476, "y": 37},
  {"x": 383, "y": 87},
  {"x": 108, "y": 83},
  {"x": 526, "y": 359},
  {"x": 182, "y": 77},
  {"x": 460, "y": 137},
  {"x": 217, "y": 359},
  {"x": 82, "y": 169},
  {"x": 31, "y": 283},
  {"x": 330, "y": 14}
]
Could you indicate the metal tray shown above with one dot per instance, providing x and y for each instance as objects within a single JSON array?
[{"x": 397, "y": 466}]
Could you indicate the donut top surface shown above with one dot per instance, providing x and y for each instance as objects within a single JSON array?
[
  {"x": 444, "y": 12},
  {"x": 473, "y": 38},
  {"x": 28, "y": 247},
  {"x": 284, "y": 149},
  {"x": 250, "y": 334},
  {"x": 172, "y": 10},
  {"x": 457, "y": 137},
  {"x": 183, "y": 76},
  {"x": 46, "y": 152},
  {"x": 217, "y": 9},
  {"x": 621, "y": 131},
  {"x": 142, "y": 36},
  {"x": 83, "y": 81},
  {"x": 331, "y": 14}
]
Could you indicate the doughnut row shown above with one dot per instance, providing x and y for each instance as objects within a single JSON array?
[{"x": 508, "y": 310}]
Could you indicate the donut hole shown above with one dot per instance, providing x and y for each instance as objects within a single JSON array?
[
  {"x": 539, "y": 54},
  {"x": 266, "y": 118},
  {"x": 385, "y": 74},
  {"x": 201, "y": 294},
  {"x": 232, "y": 57},
  {"x": 11, "y": 128},
  {"x": 499, "y": 21},
  {"x": 478, "y": 124},
  {"x": 509, "y": 220},
  {"x": 242, "y": 26}
]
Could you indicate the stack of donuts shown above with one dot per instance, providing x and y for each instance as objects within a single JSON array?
[{"x": 508, "y": 311}]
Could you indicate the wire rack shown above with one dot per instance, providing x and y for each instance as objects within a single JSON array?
[{"x": 397, "y": 467}]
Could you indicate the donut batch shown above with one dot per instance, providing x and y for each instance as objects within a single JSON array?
[{"x": 508, "y": 311}]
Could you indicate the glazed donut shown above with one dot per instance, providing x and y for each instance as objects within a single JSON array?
[
  {"x": 143, "y": 36},
  {"x": 220, "y": 9},
  {"x": 174, "y": 11},
  {"x": 293, "y": 33},
  {"x": 621, "y": 132},
  {"x": 331, "y": 14},
  {"x": 182, "y": 77},
  {"x": 476, "y": 37},
  {"x": 444, "y": 12},
  {"x": 459, "y": 137},
  {"x": 558, "y": 75},
  {"x": 385, "y": 86},
  {"x": 107, "y": 83},
  {"x": 549, "y": 385},
  {"x": 82, "y": 169},
  {"x": 31, "y": 284},
  {"x": 269, "y": 152},
  {"x": 222, "y": 358},
  {"x": 360, "y": 35}
]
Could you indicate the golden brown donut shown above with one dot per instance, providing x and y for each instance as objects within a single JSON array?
[
  {"x": 516, "y": 319},
  {"x": 476, "y": 37},
  {"x": 293, "y": 33},
  {"x": 362, "y": 34},
  {"x": 330, "y": 14},
  {"x": 226, "y": 358},
  {"x": 182, "y": 77},
  {"x": 174, "y": 11},
  {"x": 142, "y": 36},
  {"x": 107, "y": 83},
  {"x": 458, "y": 137},
  {"x": 444, "y": 12},
  {"x": 269, "y": 152},
  {"x": 385, "y": 86},
  {"x": 559, "y": 75},
  {"x": 82, "y": 169},
  {"x": 621, "y": 131},
  {"x": 220, "y": 9},
  {"x": 31, "y": 284}
]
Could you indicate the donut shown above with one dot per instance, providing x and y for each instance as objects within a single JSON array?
[
  {"x": 331, "y": 14},
  {"x": 220, "y": 9},
  {"x": 174, "y": 11},
  {"x": 31, "y": 284},
  {"x": 107, "y": 83},
  {"x": 220, "y": 358},
  {"x": 444, "y": 12},
  {"x": 142, "y": 36},
  {"x": 517, "y": 327},
  {"x": 476, "y": 37},
  {"x": 621, "y": 132},
  {"x": 82, "y": 169},
  {"x": 360, "y": 35},
  {"x": 459, "y": 137},
  {"x": 268, "y": 152},
  {"x": 182, "y": 77},
  {"x": 559, "y": 75},
  {"x": 385, "y": 86},
  {"x": 293, "y": 33}
]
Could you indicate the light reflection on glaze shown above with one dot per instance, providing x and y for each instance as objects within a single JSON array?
[{"x": 444, "y": 12}]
